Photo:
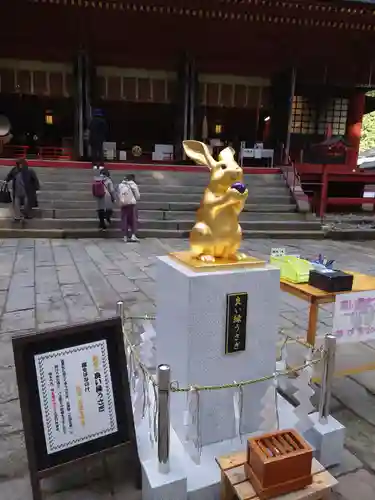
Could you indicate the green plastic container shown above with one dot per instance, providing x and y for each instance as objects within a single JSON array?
[{"x": 292, "y": 268}]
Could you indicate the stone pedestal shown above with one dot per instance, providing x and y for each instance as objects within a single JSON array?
[
  {"x": 328, "y": 439},
  {"x": 190, "y": 337}
]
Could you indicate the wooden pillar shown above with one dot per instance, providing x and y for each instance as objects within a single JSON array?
[
  {"x": 182, "y": 106},
  {"x": 282, "y": 91},
  {"x": 290, "y": 115},
  {"x": 79, "y": 106},
  {"x": 354, "y": 125}
]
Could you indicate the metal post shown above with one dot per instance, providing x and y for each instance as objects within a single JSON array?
[
  {"x": 120, "y": 309},
  {"x": 327, "y": 378},
  {"x": 164, "y": 377}
]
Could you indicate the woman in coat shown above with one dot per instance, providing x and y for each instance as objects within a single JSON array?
[
  {"x": 25, "y": 185},
  {"x": 104, "y": 203}
]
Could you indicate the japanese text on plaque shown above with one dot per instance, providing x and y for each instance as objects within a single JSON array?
[{"x": 235, "y": 335}]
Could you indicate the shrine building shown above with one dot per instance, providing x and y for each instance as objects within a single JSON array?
[{"x": 281, "y": 74}]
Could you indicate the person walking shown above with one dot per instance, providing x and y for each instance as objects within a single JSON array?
[
  {"x": 128, "y": 196},
  {"x": 104, "y": 193},
  {"x": 98, "y": 131},
  {"x": 25, "y": 185}
]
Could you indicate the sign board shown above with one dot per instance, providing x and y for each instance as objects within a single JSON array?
[
  {"x": 235, "y": 331},
  {"x": 354, "y": 317},
  {"x": 74, "y": 395},
  {"x": 278, "y": 252}
]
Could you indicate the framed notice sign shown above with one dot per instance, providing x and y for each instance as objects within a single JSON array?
[
  {"x": 74, "y": 395},
  {"x": 354, "y": 317},
  {"x": 235, "y": 330}
]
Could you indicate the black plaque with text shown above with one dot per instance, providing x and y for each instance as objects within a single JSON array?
[{"x": 235, "y": 331}]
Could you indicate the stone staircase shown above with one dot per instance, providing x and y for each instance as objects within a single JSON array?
[{"x": 167, "y": 208}]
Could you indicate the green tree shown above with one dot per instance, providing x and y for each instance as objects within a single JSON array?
[
  {"x": 368, "y": 132},
  {"x": 368, "y": 128}
]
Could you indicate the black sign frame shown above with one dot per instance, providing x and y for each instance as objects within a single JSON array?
[
  {"x": 236, "y": 318},
  {"x": 25, "y": 347}
]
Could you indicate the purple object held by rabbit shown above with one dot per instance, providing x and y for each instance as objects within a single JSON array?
[{"x": 239, "y": 186}]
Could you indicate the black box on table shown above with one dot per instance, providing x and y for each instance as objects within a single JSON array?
[{"x": 330, "y": 280}]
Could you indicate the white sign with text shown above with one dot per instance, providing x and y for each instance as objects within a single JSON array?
[
  {"x": 277, "y": 252},
  {"x": 76, "y": 395},
  {"x": 354, "y": 317}
]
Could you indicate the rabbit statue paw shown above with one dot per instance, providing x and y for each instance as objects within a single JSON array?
[
  {"x": 207, "y": 258},
  {"x": 217, "y": 234},
  {"x": 238, "y": 256}
]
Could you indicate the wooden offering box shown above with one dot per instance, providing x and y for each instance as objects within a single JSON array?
[{"x": 278, "y": 463}]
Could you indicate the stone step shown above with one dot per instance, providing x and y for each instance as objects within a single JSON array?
[
  {"x": 142, "y": 176},
  {"x": 163, "y": 205},
  {"x": 198, "y": 186},
  {"x": 146, "y": 233},
  {"x": 80, "y": 187},
  {"x": 177, "y": 225},
  {"x": 355, "y": 234},
  {"x": 157, "y": 197},
  {"x": 83, "y": 214},
  {"x": 160, "y": 178}
]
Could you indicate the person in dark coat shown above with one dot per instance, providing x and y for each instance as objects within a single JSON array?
[
  {"x": 97, "y": 135},
  {"x": 25, "y": 185}
]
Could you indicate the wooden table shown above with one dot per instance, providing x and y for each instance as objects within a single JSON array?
[
  {"x": 235, "y": 485},
  {"x": 316, "y": 297}
]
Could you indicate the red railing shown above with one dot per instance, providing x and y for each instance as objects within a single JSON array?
[
  {"x": 330, "y": 174},
  {"x": 13, "y": 151},
  {"x": 54, "y": 153}
]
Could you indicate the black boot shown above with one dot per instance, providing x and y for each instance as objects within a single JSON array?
[{"x": 102, "y": 224}]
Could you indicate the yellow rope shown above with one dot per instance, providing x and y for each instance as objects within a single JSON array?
[
  {"x": 174, "y": 386},
  {"x": 291, "y": 339}
]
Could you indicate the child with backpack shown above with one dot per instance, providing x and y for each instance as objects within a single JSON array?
[
  {"x": 128, "y": 196},
  {"x": 104, "y": 193}
]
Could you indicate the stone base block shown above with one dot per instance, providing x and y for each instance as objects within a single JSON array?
[
  {"x": 158, "y": 486},
  {"x": 188, "y": 480},
  {"x": 327, "y": 439},
  {"x": 191, "y": 324}
]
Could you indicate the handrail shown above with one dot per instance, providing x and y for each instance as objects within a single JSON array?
[
  {"x": 15, "y": 150},
  {"x": 293, "y": 181},
  {"x": 54, "y": 153}
]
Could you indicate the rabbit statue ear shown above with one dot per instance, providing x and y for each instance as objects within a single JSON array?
[
  {"x": 227, "y": 155},
  {"x": 198, "y": 151}
]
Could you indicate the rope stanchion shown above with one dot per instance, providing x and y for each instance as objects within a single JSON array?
[
  {"x": 174, "y": 386},
  {"x": 328, "y": 374},
  {"x": 156, "y": 390},
  {"x": 290, "y": 340}
]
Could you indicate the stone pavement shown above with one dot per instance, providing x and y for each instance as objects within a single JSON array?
[{"x": 46, "y": 283}]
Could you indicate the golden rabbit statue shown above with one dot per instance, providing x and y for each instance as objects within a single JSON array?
[{"x": 217, "y": 235}]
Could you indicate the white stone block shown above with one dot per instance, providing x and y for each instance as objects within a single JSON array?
[
  {"x": 158, "y": 486},
  {"x": 190, "y": 337},
  {"x": 328, "y": 440},
  {"x": 187, "y": 480}
]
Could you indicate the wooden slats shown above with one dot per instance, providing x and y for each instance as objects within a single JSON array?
[
  {"x": 132, "y": 89},
  {"x": 282, "y": 443},
  {"x": 7, "y": 77},
  {"x": 36, "y": 82},
  {"x": 40, "y": 82},
  {"x": 56, "y": 84}
]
